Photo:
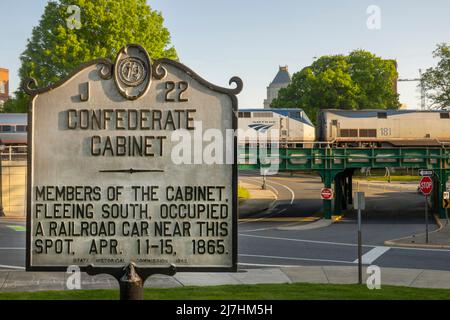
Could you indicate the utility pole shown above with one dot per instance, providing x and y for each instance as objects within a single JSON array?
[{"x": 422, "y": 89}]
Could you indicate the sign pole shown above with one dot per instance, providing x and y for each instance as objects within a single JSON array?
[
  {"x": 131, "y": 284},
  {"x": 359, "y": 203},
  {"x": 359, "y": 248},
  {"x": 426, "y": 187},
  {"x": 426, "y": 217}
]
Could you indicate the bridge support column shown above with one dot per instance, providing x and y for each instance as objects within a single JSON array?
[
  {"x": 328, "y": 176},
  {"x": 441, "y": 187},
  {"x": 339, "y": 201},
  {"x": 350, "y": 189}
]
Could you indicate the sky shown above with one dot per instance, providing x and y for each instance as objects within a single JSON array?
[{"x": 252, "y": 38}]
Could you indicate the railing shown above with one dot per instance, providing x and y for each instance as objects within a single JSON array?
[{"x": 14, "y": 153}]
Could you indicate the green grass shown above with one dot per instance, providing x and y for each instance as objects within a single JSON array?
[
  {"x": 393, "y": 178},
  {"x": 243, "y": 193},
  {"x": 249, "y": 292}
]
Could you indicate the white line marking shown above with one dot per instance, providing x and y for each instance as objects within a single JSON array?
[
  {"x": 267, "y": 184},
  {"x": 11, "y": 248},
  {"x": 342, "y": 244},
  {"x": 290, "y": 190},
  {"x": 372, "y": 255},
  {"x": 295, "y": 259},
  {"x": 12, "y": 267},
  {"x": 301, "y": 240},
  {"x": 269, "y": 265}
]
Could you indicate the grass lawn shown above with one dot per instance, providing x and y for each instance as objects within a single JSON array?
[
  {"x": 393, "y": 178},
  {"x": 249, "y": 292},
  {"x": 242, "y": 194}
]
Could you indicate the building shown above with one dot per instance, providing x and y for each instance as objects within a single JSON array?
[
  {"x": 4, "y": 86},
  {"x": 282, "y": 80}
]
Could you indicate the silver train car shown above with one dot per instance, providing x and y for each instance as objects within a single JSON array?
[
  {"x": 383, "y": 128},
  {"x": 287, "y": 127},
  {"x": 13, "y": 129}
]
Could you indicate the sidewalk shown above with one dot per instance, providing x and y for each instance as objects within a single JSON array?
[
  {"x": 20, "y": 281},
  {"x": 439, "y": 239},
  {"x": 259, "y": 200},
  {"x": 409, "y": 186}
]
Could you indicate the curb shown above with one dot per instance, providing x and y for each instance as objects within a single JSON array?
[
  {"x": 322, "y": 223},
  {"x": 6, "y": 218},
  {"x": 392, "y": 243}
]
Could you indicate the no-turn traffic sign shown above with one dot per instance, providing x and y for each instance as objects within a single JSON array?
[
  {"x": 426, "y": 186},
  {"x": 326, "y": 194}
]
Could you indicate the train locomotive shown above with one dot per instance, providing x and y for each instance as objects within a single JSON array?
[
  {"x": 289, "y": 128},
  {"x": 292, "y": 128},
  {"x": 13, "y": 129},
  {"x": 383, "y": 128}
]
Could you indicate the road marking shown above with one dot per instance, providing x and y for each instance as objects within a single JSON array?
[
  {"x": 372, "y": 255},
  {"x": 11, "y": 267},
  {"x": 290, "y": 190},
  {"x": 17, "y": 228},
  {"x": 267, "y": 184},
  {"x": 293, "y": 258},
  {"x": 280, "y": 219},
  {"x": 342, "y": 243},
  {"x": 269, "y": 265}
]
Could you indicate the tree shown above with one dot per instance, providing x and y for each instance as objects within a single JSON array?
[
  {"x": 436, "y": 81},
  {"x": 360, "y": 80},
  {"x": 57, "y": 46}
]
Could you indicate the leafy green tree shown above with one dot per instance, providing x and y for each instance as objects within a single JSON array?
[
  {"x": 436, "y": 81},
  {"x": 61, "y": 42},
  {"x": 360, "y": 80}
]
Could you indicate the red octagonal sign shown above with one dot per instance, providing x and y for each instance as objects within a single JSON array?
[
  {"x": 426, "y": 186},
  {"x": 326, "y": 194}
]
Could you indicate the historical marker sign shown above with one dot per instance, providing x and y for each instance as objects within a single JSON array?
[{"x": 132, "y": 162}]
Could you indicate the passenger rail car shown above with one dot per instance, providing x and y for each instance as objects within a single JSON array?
[
  {"x": 384, "y": 128},
  {"x": 286, "y": 127},
  {"x": 13, "y": 129}
]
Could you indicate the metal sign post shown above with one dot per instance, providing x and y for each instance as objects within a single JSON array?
[
  {"x": 446, "y": 200},
  {"x": 359, "y": 204},
  {"x": 426, "y": 187}
]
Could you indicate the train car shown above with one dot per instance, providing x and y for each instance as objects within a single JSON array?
[
  {"x": 13, "y": 129},
  {"x": 383, "y": 128},
  {"x": 291, "y": 127}
]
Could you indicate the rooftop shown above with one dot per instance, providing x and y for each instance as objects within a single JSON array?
[{"x": 283, "y": 76}]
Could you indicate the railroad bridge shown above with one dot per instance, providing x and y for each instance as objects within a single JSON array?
[{"x": 336, "y": 166}]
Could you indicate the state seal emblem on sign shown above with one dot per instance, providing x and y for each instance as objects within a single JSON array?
[{"x": 132, "y": 72}]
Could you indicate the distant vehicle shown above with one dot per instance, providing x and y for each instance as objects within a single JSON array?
[
  {"x": 291, "y": 127},
  {"x": 13, "y": 129},
  {"x": 383, "y": 128}
]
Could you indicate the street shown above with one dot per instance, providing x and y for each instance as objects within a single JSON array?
[{"x": 391, "y": 214}]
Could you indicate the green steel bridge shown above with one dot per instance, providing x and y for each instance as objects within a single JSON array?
[{"x": 336, "y": 166}]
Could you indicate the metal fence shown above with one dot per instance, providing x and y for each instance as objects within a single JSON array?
[
  {"x": 14, "y": 180},
  {"x": 14, "y": 153}
]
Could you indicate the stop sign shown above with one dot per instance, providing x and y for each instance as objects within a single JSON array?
[
  {"x": 326, "y": 194},
  {"x": 426, "y": 186}
]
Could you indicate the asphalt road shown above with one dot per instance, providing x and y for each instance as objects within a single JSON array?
[{"x": 391, "y": 214}]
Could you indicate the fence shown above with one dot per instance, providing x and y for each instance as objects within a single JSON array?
[{"x": 14, "y": 180}]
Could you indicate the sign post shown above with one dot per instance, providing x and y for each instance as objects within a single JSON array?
[
  {"x": 359, "y": 204},
  {"x": 132, "y": 171},
  {"x": 426, "y": 187},
  {"x": 446, "y": 204}
]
